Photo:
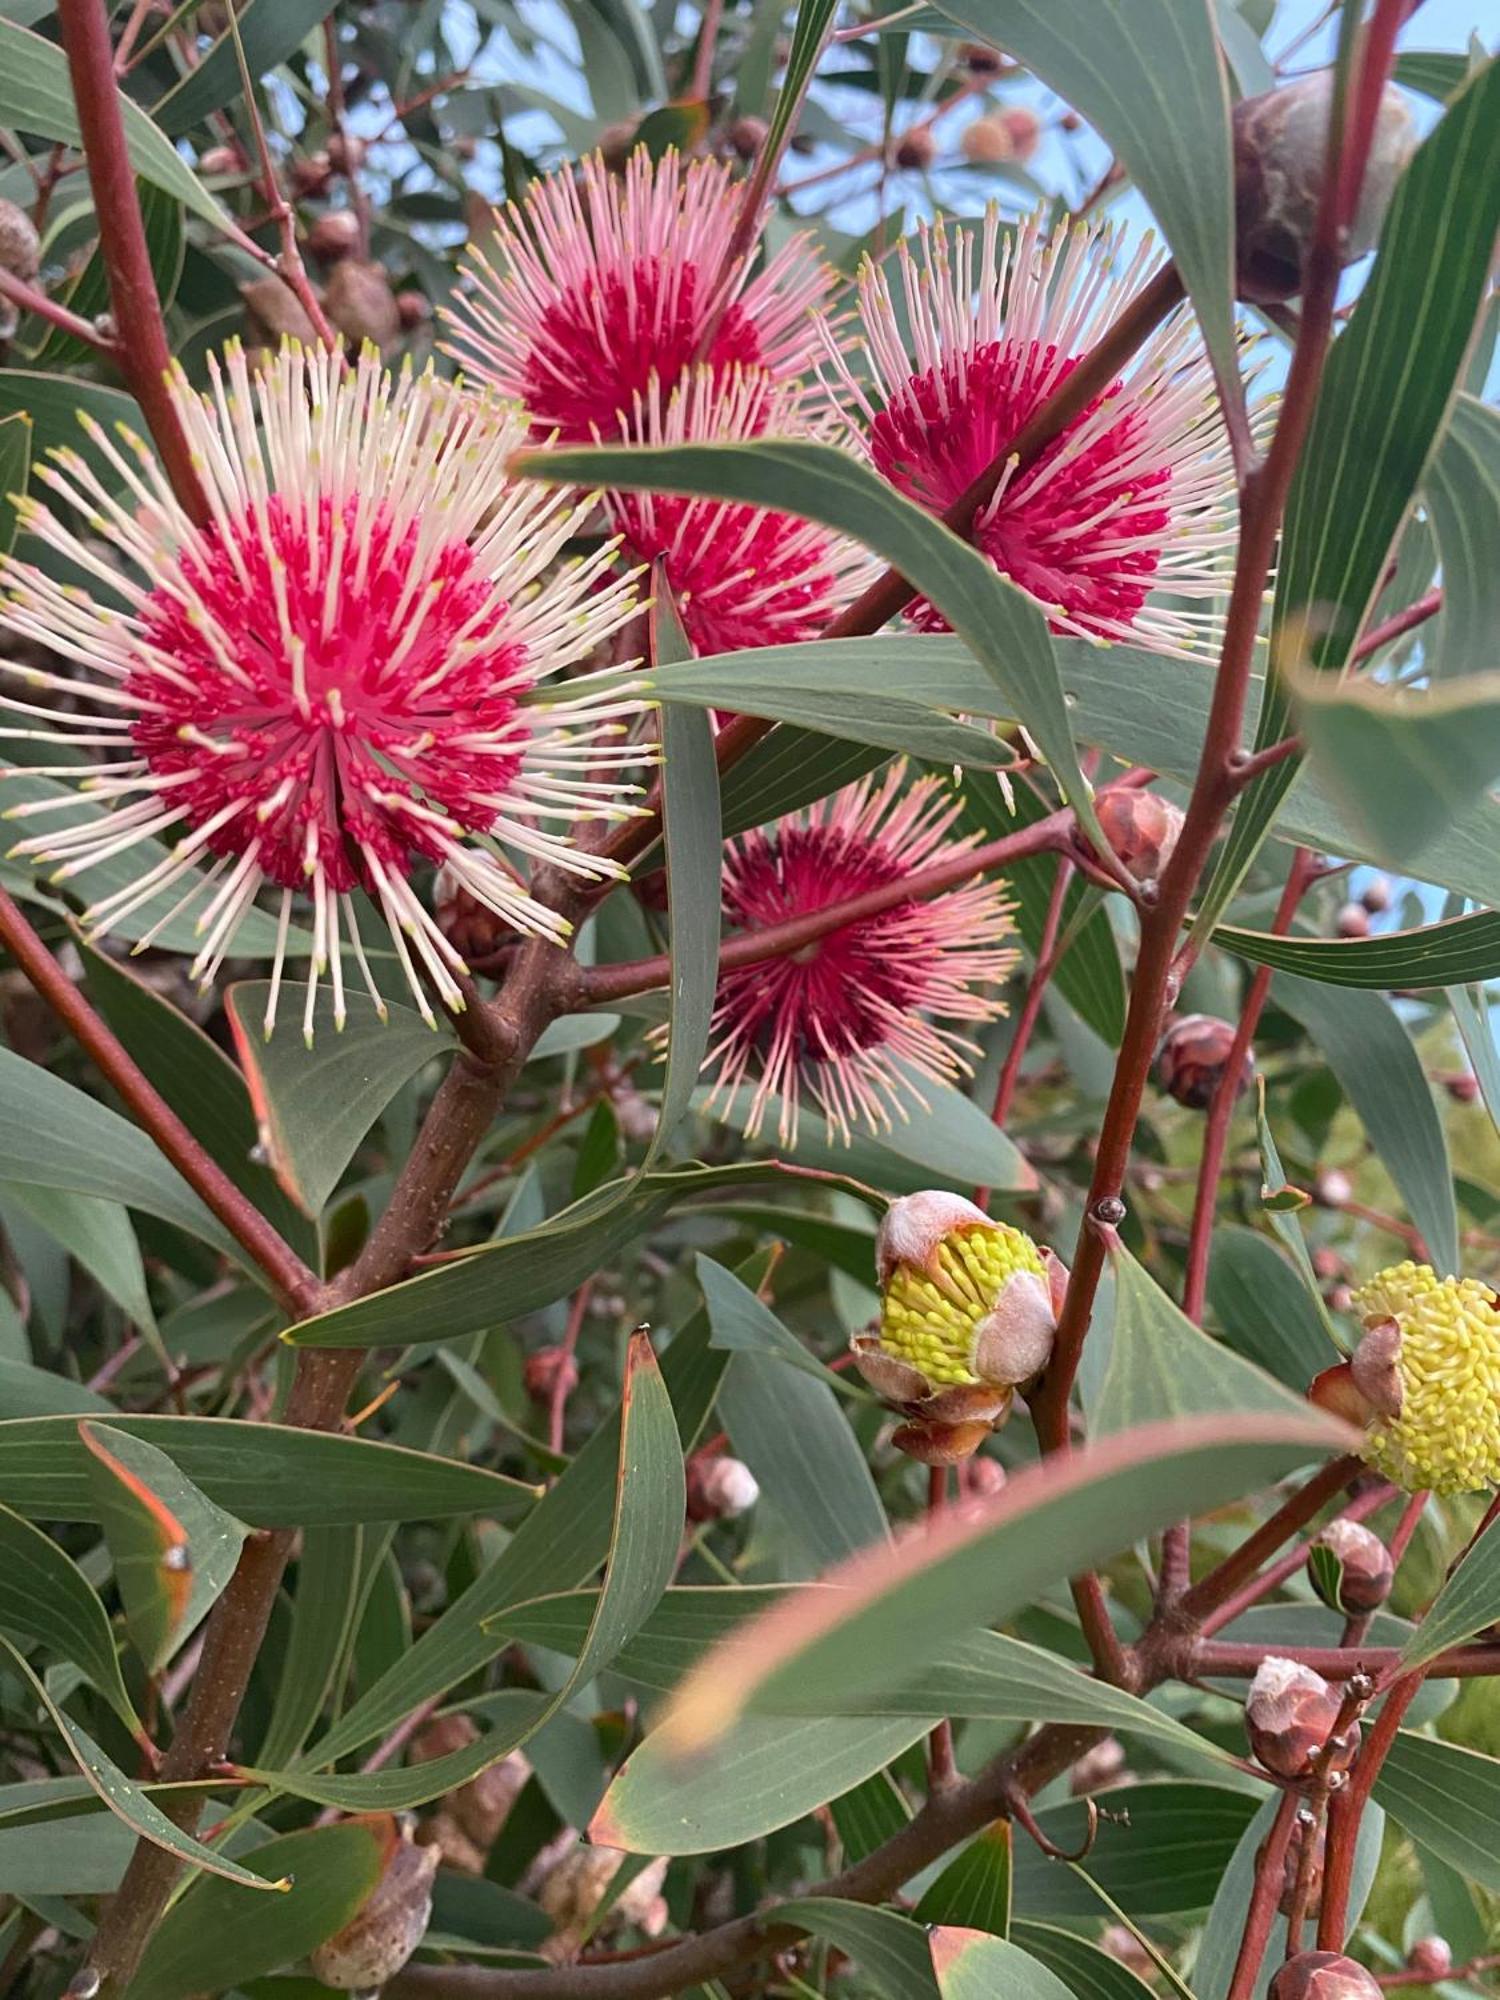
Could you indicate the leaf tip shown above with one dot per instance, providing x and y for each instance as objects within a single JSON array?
[{"x": 948, "y": 1943}]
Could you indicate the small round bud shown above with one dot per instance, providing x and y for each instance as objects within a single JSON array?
[
  {"x": 1323, "y": 1975},
  {"x": 1327, "y": 1264},
  {"x": 545, "y": 1368},
  {"x": 1123, "y": 1945},
  {"x": 984, "y": 142},
  {"x": 346, "y": 153},
  {"x": 1376, "y": 895},
  {"x": 985, "y": 1476},
  {"x": 1280, "y": 150},
  {"x": 334, "y": 235},
  {"x": 1025, "y": 130},
  {"x": 1365, "y": 1573},
  {"x": 360, "y": 303},
  {"x": 1192, "y": 1058},
  {"x": 20, "y": 254},
  {"x": 1071, "y": 122},
  {"x": 1332, "y": 1188},
  {"x": 382, "y": 1935},
  {"x": 1097, "y": 1767},
  {"x": 1341, "y": 1298},
  {"x": 1430, "y": 1958},
  {"x": 1289, "y": 1713},
  {"x": 414, "y": 309},
  {"x": 916, "y": 150},
  {"x": 1141, "y": 828},
  {"x": 1352, "y": 921},
  {"x": 310, "y": 176},
  {"x": 746, "y": 136},
  {"x": 979, "y": 59},
  {"x": 719, "y": 1488},
  {"x": 223, "y": 160},
  {"x": 464, "y": 146},
  {"x": 1462, "y": 1087}
]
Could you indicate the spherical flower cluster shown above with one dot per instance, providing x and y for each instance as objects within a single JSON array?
[
  {"x": 740, "y": 576},
  {"x": 842, "y": 1019},
  {"x": 1439, "y": 1427},
  {"x": 598, "y": 287},
  {"x": 327, "y": 684},
  {"x": 1135, "y": 496},
  {"x": 968, "y": 1311}
]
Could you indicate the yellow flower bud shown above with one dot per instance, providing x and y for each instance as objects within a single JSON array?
[
  {"x": 980, "y": 1279},
  {"x": 1446, "y": 1433}
]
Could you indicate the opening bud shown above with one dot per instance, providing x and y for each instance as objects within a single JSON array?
[
  {"x": 719, "y": 1488},
  {"x": 1356, "y": 1572},
  {"x": 1323, "y": 1975},
  {"x": 1280, "y": 150},
  {"x": 1192, "y": 1059}
]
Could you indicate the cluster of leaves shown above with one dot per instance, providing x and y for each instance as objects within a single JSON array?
[{"x": 449, "y": 1542}]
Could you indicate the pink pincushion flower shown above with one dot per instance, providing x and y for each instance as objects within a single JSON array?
[
  {"x": 741, "y": 576},
  {"x": 598, "y": 285},
  {"x": 1134, "y": 497},
  {"x": 843, "y": 1020},
  {"x": 327, "y": 685}
]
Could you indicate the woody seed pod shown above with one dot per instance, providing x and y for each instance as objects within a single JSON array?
[{"x": 387, "y": 1928}]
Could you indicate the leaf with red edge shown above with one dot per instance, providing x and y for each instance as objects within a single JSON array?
[{"x": 973, "y": 1965}]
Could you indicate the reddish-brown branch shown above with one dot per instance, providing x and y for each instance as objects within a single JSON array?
[
  {"x": 601, "y": 984},
  {"x": 1397, "y": 626},
  {"x": 1458, "y": 1975},
  {"x": 143, "y": 355},
  {"x": 1294, "y": 1513},
  {"x": 1275, "y": 1574},
  {"x": 1031, "y": 1006},
  {"x": 296, "y": 1286},
  {"x": 30, "y": 298},
  {"x": 1347, "y": 1809},
  {"x": 1263, "y": 1896}
]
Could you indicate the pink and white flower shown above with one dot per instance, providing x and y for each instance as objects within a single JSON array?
[
  {"x": 844, "y": 1019},
  {"x": 1133, "y": 503},
  {"x": 326, "y": 686},
  {"x": 742, "y": 576},
  {"x": 598, "y": 285}
]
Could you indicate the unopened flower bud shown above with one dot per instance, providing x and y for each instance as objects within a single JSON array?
[
  {"x": 746, "y": 136},
  {"x": 916, "y": 150},
  {"x": 1025, "y": 130},
  {"x": 979, "y": 59},
  {"x": 1289, "y": 1714},
  {"x": 1376, "y": 895},
  {"x": 222, "y": 160},
  {"x": 1123, "y": 1945},
  {"x": 1352, "y": 921},
  {"x": 1280, "y": 151},
  {"x": 1430, "y": 1364},
  {"x": 1327, "y": 1263},
  {"x": 413, "y": 309},
  {"x": 334, "y": 235},
  {"x": 1192, "y": 1058},
  {"x": 1141, "y": 828},
  {"x": 986, "y": 141},
  {"x": 20, "y": 254},
  {"x": 545, "y": 1368},
  {"x": 1323, "y": 1975},
  {"x": 986, "y": 1476},
  {"x": 346, "y": 152},
  {"x": 1097, "y": 1767},
  {"x": 310, "y": 175},
  {"x": 1430, "y": 1958},
  {"x": 1071, "y": 122},
  {"x": 1365, "y": 1570},
  {"x": 360, "y": 303},
  {"x": 385, "y": 1931},
  {"x": 1333, "y": 1188},
  {"x": 719, "y": 1488},
  {"x": 1463, "y": 1087}
]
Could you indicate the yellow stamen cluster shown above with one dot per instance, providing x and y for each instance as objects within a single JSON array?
[
  {"x": 1447, "y": 1436},
  {"x": 932, "y": 1321}
]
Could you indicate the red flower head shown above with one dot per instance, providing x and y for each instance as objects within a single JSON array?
[
  {"x": 324, "y": 688},
  {"x": 598, "y": 284},
  {"x": 1134, "y": 496},
  {"x": 741, "y": 576},
  {"x": 844, "y": 1020}
]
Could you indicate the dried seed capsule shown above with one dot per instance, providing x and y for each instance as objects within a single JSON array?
[{"x": 382, "y": 1935}]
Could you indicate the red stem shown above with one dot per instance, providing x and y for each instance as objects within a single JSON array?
[
  {"x": 143, "y": 355},
  {"x": 1263, "y": 1898},
  {"x": 603, "y": 983},
  {"x": 1031, "y": 1007},
  {"x": 30, "y": 298},
  {"x": 1347, "y": 1808},
  {"x": 1212, "y": 1590},
  {"x": 1275, "y": 1574},
  {"x": 298, "y": 1288}
]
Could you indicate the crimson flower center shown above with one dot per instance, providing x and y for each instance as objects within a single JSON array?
[
  {"x": 1067, "y": 530},
  {"x": 603, "y": 341},
  {"x": 355, "y": 690}
]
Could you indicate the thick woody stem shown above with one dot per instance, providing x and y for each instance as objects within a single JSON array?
[
  {"x": 142, "y": 354},
  {"x": 1347, "y": 1809},
  {"x": 297, "y": 1287}
]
